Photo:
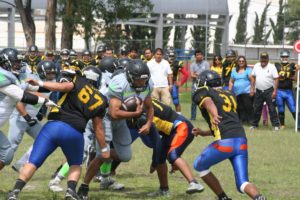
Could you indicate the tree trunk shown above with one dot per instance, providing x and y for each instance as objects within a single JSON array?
[
  {"x": 68, "y": 26},
  {"x": 27, "y": 21},
  {"x": 50, "y": 38}
]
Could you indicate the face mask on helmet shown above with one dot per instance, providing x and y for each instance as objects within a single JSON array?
[{"x": 139, "y": 83}]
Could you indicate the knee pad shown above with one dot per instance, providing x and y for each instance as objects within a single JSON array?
[{"x": 125, "y": 157}]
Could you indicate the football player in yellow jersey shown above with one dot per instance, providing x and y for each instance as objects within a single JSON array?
[
  {"x": 218, "y": 107},
  {"x": 228, "y": 63},
  {"x": 33, "y": 57}
]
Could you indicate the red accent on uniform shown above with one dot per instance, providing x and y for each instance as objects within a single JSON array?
[
  {"x": 185, "y": 75},
  {"x": 223, "y": 148},
  {"x": 243, "y": 147}
]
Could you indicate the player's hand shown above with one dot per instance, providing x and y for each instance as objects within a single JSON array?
[
  {"x": 33, "y": 82},
  {"x": 170, "y": 88},
  {"x": 196, "y": 131},
  {"x": 174, "y": 168},
  {"x": 152, "y": 169},
  {"x": 30, "y": 121},
  {"x": 50, "y": 103},
  {"x": 39, "y": 116},
  {"x": 139, "y": 109},
  {"x": 144, "y": 130},
  {"x": 216, "y": 120}
]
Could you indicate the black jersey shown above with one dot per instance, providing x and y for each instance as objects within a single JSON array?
[
  {"x": 32, "y": 62},
  {"x": 230, "y": 126},
  {"x": 285, "y": 72},
  {"x": 79, "y": 105},
  {"x": 176, "y": 66},
  {"x": 226, "y": 71},
  {"x": 164, "y": 117}
]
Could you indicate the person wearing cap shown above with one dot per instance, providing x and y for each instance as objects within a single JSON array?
[
  {"x": 48, "y": 55},
  {"x": 264, "y": 83},
  {"x": 287, "y": 75}
]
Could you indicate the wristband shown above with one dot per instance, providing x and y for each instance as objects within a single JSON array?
[
  {"x": 41, "y": 83},
  {"x": 27, "y": 117},
  {"x": 105, "y": 149}
]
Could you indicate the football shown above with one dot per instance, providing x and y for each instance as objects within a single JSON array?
[{"x": 130, "y": 103}]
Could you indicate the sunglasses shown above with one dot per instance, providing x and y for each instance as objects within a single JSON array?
[{"x": 241, "y": 61}]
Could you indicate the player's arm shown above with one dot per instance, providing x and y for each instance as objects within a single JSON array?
[
  {"x": 17, "y": 93},
  {"x": 199, "y": 131},
  {"x": 100, "y": 136},
  {"x": 150, "y": 113},
  {"x": 22, "y": 110},
  {"x": 116, "y": 112},
  {"x": 211, "y": 108},
  {"x": 53, "y": 86},
  {"x": 185, "y": 76},
  {"x": 275, "y": 88}
]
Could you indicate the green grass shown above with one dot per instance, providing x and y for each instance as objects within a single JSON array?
[{"x": 274, "y": 166}]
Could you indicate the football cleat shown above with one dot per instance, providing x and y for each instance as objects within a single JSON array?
[
  {"x": 71, "y": 195},
  {"x": 194, "y": 187},
  {"x": 109, "y": 183},
  {"x": 54, "y": 186},
  {"x": 159, "y": 192},
  {"x": 83, "y": 193},
  {"x": 13, "y": 195}
]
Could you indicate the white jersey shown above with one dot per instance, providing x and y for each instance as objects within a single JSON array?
[{"x": 7, "y": 104}]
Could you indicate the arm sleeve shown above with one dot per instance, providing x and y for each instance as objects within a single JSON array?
[
  {"x": 115, "y": 89},
  {"x": 12, "y": 91},
  {"x": 200, "y": 95},
  {"x": 185, "y": 76}
]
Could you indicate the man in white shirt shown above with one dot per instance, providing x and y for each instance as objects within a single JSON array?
[
  {"x": 161, "y": 75},
  {"x": 264, "y": 82}
]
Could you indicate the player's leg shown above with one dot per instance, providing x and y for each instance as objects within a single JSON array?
[
  {"x": 240, "y": 166},
  {"x": 257, "y": 109},
  {"x": 291, "y": 103},
  {"x": 43, "y": 146},
  {"x": 272, "y": 110},
  {"x": 181, "y": 138},
  {"x": 16, "y": 131},
  {"x": 216, "y": 152},
  {"x": 175, "y": 97},
  {"x": 280, "y": 98},
  {"x": 6, "y": 151}
]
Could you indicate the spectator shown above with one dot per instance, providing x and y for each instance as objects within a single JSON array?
[
  {"x": 133, "y": 53},
  {"x": 264, "y": 78},
  {"x": 217, "y": 64},
  {"x": 148, "y": 55},
  {"x": 228, "y": 65},
  {"x": 161, "y": 75},
  {"x": 286, "y": 72},
  {"x": 196, "y": 68},
  {"x": 240, "y": 84}
]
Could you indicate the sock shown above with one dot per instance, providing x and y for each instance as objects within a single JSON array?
[
  {"x": 84, "y": 189},
  {"x": 114, "y": 165},
  {"x": 19, "y": 184},
  {"x": 164, "y": 188},
  {"x": 72, "y": 185},
  {"x": 105, "y": 168},
  {"x": 64, "y": 171},
  {"x": 194, "y": 181},
  {"x": 223, "y": 196}
]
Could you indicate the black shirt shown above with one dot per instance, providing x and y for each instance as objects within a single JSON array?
[
  {"x": 226, "y": 71},
  {"x": 285, "y": 72},
  {"x": 230, "y": 126},
  {"x": 79, "y": 105}
]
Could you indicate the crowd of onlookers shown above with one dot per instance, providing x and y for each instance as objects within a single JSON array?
[{"x": 260, "y": 89}]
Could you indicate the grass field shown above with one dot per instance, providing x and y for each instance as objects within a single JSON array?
[{"x": 274, "y": 166}]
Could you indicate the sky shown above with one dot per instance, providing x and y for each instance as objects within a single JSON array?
[{"x": 255, "y": 6}]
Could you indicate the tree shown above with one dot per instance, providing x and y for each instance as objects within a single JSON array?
[
  {"x": 199, "y": 35},
  {"x": 27, "y": 21},
  {"x": 50, "y": 39},
  {"x": 179, "y": 35},
  {"x": 260, "y": 35},
  {"x": 278, "y": 28},
  {"x": 293, "y": 19},
  {"x": 241, "y": 26}
]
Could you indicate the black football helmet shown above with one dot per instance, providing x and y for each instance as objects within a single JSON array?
[
  {"x": 73, "y": 54},
  {"x": 65, "y": 54},
  {"x": 47, "y": 70},
  {"x": 230, "y": 53},
  {"x": 108, "y": 64},
  {"x": 284, "y": 56},
  {"x": 101, "y": 48},
  {"x": 11, "y": 60},
  {"x": 93, "y": 75},
  {"x": 138, "y": 74},
  {"x": 33, "y": 48},
  {"x": 171, "y": 54},
  {"x": 208, "y": 78},
  {"x": 66, "y": 75},
  {"x": 122, "y": 62}
]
